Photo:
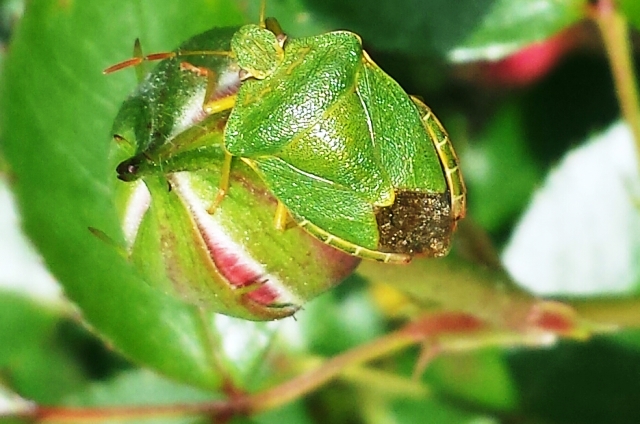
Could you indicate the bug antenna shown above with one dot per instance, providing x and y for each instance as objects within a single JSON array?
[{"x": 263, "y": 9}]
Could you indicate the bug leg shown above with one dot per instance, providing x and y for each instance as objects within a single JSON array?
[
  {"x": 219, "y": 105},
  {"x": 223, "y": 188},
  {"x": 211, "y": 81},
  {"x": 198, "y": 70},
  {"x": 251, "y": 286},
  {"x": 281, "y": 217},
  {"x": 211, "y": 88},
  {"x": 210, "y": 106}
]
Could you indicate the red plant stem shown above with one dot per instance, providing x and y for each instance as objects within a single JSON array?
[
  {"x": 434, "y": 331},
  {"x": 414, "y": 332},
  {"x": 421, "y": 330}
]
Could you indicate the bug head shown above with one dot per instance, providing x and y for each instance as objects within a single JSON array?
[
  {"x": 257, "y": 50},
  {"x": 128, "y": 170}
]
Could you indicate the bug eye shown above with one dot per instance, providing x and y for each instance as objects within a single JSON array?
[{"x": 128, "y": 170}]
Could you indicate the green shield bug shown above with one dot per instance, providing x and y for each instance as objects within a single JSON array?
[
  {"x": 356, "y": 161},
  {"x": 349, "y": 155},
  {"x": 170, "y": 155}
]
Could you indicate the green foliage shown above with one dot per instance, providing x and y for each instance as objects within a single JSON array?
[
  {"x": 577, "y": 235},
  {"x": 34, "y": 355},
  {"x": 463, "y": 30},
  {"x": 63, "y": 179}
]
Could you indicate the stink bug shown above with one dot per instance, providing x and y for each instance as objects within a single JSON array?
[
  {"x": 232, "y": 261},
  {"x": 356, "y": 161},
  {"x": 348, "y": 154}
]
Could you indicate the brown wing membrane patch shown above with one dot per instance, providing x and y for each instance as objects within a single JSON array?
[{"x": 417, "y": 223}]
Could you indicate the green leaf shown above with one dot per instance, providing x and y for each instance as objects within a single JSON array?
[
  {"x": 140, "y": 387},
  {"x": 579, "y": 235},
  {"x": 579, "y": 382},
  {"x": 294, "y": 412},
  {"x": 341, "y": 319},
  {"x": 629, "y": 338},
  {"x": 57, "y": 110},
  {"x": 460, "y": 376},
  {"x": 499, "y": 170},
  {"x": 411, "y": 411},
  {"x": 631, "y": 11},
  {"x": 33, "y": 356},
  {"x": 464, "y": 30},
  {"x": 507, "y": 25}
]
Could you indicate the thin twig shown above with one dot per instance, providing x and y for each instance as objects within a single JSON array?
[
  {"x": 297, "y": 387},
  {"x": 615, "y": 35},
  {"x": 446, "y": 333}
]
